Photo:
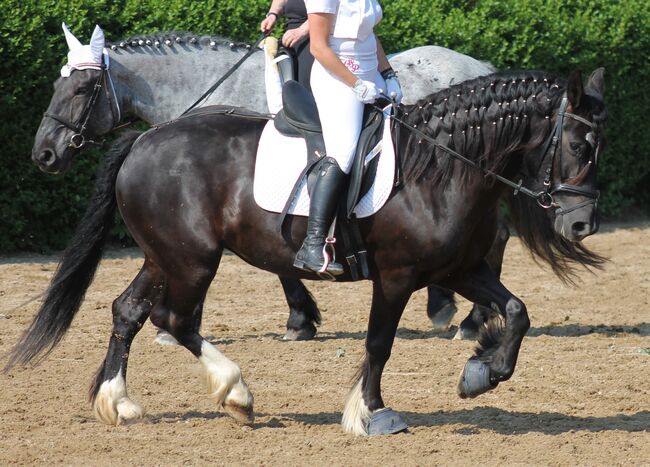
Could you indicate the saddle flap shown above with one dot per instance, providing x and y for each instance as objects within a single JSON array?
[{"x": 363, "y": 173}]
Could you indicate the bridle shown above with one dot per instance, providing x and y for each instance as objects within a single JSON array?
[
  {"x": 79, "y": 138},
  {"x": 544, "y": 197}
]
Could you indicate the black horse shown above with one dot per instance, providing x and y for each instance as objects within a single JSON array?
[{"x": 185, "y": 192}]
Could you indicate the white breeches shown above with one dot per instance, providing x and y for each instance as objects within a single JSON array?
[{"x": 340, "y": 112}]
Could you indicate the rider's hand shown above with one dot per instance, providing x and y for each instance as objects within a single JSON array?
[
  {"x": 393, "y": 88},
  {"x": 366, "y": 91},
  {"x": 268, "y": 23},
  {"x": 293, "y": 37}
]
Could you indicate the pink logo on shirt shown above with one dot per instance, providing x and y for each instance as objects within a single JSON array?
[{"x": 351, "y": 64}]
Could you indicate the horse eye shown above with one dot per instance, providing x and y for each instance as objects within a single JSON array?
[
  {"x": 80, "y": 90},
  {"x": 576, "y": 148}
]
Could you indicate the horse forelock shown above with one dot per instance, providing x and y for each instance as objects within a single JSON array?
[{"x": 485, "y": 119}]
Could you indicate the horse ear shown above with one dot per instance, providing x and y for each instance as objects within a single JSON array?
[
  {"x": 97, "y": 42},
  {"x": 73, "y": 42},
  {"x": 596, "y": 82},
  {"x": 574, "y": 89}
]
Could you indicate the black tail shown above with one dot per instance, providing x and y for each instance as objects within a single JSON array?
[{"x": 78, "y": 264}]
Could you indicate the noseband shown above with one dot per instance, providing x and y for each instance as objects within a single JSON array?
[
  {"x": 79, "y": 138},
  {"x": 545, "y": 198}
]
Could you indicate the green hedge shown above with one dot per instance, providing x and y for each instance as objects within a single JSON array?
[{"x": 38, "y": 211}]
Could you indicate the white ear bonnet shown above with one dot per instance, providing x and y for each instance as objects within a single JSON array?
[{"x": 82, "y": 57}]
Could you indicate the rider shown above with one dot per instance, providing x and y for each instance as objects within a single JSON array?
[{"x": 351, "y": 70}]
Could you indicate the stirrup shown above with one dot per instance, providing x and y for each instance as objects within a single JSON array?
[{"x": 323, "y": 272}]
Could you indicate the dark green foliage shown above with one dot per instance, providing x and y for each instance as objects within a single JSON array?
[{"x": 39, "y": 211}]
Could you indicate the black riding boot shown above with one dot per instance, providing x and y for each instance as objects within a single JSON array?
[{"x": 322, "y": 207}]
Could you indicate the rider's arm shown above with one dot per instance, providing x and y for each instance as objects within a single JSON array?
[
  {"x": 277, "y": 7},
  {"x": 276, "y": 10},
  {"x": 320, "y": 25},
  {"x": 381, "y": 57}
]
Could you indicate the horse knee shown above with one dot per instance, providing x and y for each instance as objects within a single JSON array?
[{"x": 128, "y": 317}]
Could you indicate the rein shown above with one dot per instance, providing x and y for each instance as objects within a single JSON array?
[
  {"x": 227, "y": 75},
  {"x": 78, "y": 139},
  {"x": 544, "y": 197}
]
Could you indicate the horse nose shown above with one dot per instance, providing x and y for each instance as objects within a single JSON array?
[
  {"x": 581, "y": 229},
  {"x": 45, "y": 158}
]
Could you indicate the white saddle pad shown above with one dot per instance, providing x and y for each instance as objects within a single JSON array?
[{"x": 280, "y": 159}]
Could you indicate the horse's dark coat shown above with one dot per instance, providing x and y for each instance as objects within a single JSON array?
[{"x": 185, "y": 193}]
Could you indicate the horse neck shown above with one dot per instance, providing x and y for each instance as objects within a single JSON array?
[{"x": 158, "y": 83}]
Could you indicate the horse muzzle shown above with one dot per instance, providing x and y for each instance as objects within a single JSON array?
[
  {"x": 577, "y": 222},
  {"x": 48, "y": 161}
]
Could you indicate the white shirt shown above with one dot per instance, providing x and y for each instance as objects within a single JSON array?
[
  {"x": 355, "y": 19},
  {"x": 352, "y": 37}
]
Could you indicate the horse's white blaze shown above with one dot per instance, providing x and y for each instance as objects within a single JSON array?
[
  {"x": 112, "y": 404},
  {"x": 356, "y": 413},
  {"x": 225, "y": 382}
]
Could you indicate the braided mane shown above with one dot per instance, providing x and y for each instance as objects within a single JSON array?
[{"x": 485, "y": 119}]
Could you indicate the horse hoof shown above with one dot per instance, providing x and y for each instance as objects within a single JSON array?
[
  {"x": 385, "y": 422},
  {"x": 243, "y": 415},
  {"x": 465, "y": 334},
  {"x": 304, "y": 334},
  {"x": 165, "y": 338},
  {"x": 475, "y": 379},
  {"x": 441, "y": 319}
]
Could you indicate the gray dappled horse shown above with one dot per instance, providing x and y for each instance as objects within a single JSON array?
[{"x": 157, "y": 77}]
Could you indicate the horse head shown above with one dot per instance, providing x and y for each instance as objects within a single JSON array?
[
  {"x": 571, "y": 158},
  {"x": 83, "y": 105}
]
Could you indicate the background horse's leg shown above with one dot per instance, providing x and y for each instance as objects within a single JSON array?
[
  {"x": 108, "y": 394},
  {"x": 363, "y": 414},
  {"x": 499, "y": 342},
  {"x": 303, "y": 311},
  {"x": 175, "y": 314}
]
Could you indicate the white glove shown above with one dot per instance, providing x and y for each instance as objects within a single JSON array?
[
  {"x": 393, "y": 88},
  {"x": 366, "y": 91}
]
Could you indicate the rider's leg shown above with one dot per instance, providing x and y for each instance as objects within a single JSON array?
[{"x": 312, "y": 256}]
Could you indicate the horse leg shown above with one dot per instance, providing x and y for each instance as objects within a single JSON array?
[
  {"x": 303, "y": 312},
  {"x": 496, "y": 355},
  {"x": 365, "y": 413},
  {"x": 175, "y": 314},
  {"x": 108, "y": 394},
  {"x": 479, "y": 315},
  {"x": 441, "y": 307},
  {"x": 165, "y": 338}
]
